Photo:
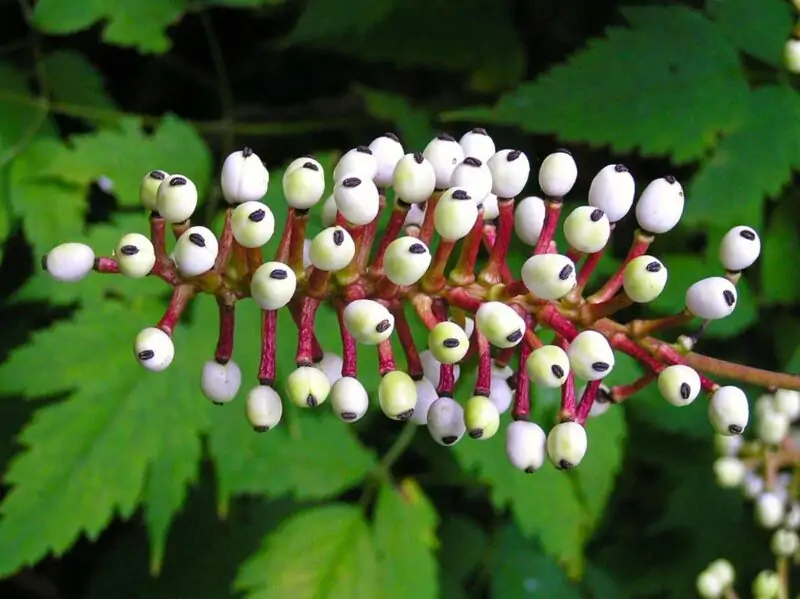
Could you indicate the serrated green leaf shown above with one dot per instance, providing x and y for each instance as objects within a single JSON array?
[
  {"x": 140, "y": 24},
  {"x": 321, "y": 553},
  {"x": 405, "y": 542},
  {"x": 752, "y": 163},
  {"x": 521, "y": 570},
  {"x": 632, "y": 89},
  {"x": 89, "y": 457},
  {"x": 73, "y": 79},
  {"x": 781, "y": 243},
  {"x": 757, "y": 28},
  {"x": 324, "y": 19},
  {"x": 413, "y": 124}
]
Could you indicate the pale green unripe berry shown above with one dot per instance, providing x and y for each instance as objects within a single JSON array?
[
  {"x": 307, "y": 387},
  {"x": 474, "y": 176},
  {"x": 448, "y": 342},
  {"x": 526, "y": 446},
  {"x": 477, "y": 143},
  {"x": 784, "y": 542},
  {"x": 432, "y": 368},
  {"x": 414, "y": 179},
  {"x": 244, "y": 177},
  {"x": 331, "y": 364},
  {"x": 769, "y": 510},
  {"x": 587, "y": 229},
  {"x": 788, "y": 403},
  {"x": 455, "y": 214},
  {"x": 660, "y": 205},
  {"x": 426, "y": 395},
  {"x": 529, "y": 219},
  {"x": 549, "y": 276},
  {"x": 264, "y": 408},
  {"x": 253, "y": 224},
  {"x": 329, "y": 211},
  {"x": 728, "y": 410},
  {"x": 349, "y": 399},
  {"x": 791, "y": 55},
  {"x": 612, "y": 190},
  {"x": 644, "y": 278},
  {"x": 406, "y": 260},
  {"x": 154, "y": 349},
  {"x": 679, "y": 384},
  {"x": 196, "y": 251},
  {"x": 135, "y": 255},
  {"x": 273, "y": 285},
  {"x": 176, "y": 198},
  {"x": 220, "y": 382},
  {"x": 69, "y": 262},
  {"x": 712, "y": 298},
  {"x": 567, "y": 444},
  {"x": 148, "y": 190},
  {"x": 388, "y": 151},
  {"x": 357, "y": 199},
  {"x": 590, "y": 356},
  {"x": 481, "y": 417},
  {"x": 359, "y": 162},
  {"x": 558, "y": 174},
  {"x": 723, "y": 570},
  {"x": 772, "y": 427},
  {"x": 368, "y": 321},
  {"x": 301, "y": 161},
  {"x": 709, "y": 586},
  {"x": 303, "y": 187},
  {"x": 739, "y": 249},
  {"x": 332, "y": 249},
  {"x": 397, "y": 395},
  {"x": 767, "y": 585},
  {"x": 446, "y": 421},
  {"x": 501, "y": 324},
  {"x": 729, "y": 472},
  {"x": 548, "y": 366},
  {"x": 444, "y": 153}
]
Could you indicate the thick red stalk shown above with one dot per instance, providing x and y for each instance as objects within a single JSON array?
[
  {"x": 353, "y": 272},
  {"x": 532, "y": 339},
  {"x": 318, "y": 281},
  {"x": 489, "y": 238},
  {"x": 439, "y": 309},
  {"x": 297, "y": 243},
  {"x": 626, "y": 345},
  {"x": 643, "y": 328},
  {"x": 225, "y": 244},
  {"x": 106, "y": 266},
  {"x": 401, "y": 326},
  {"x": 639, "y": 246},
  {"x": 552, "y": 318},
  {"x": 434, "y": 281},
  {"x": 386, "y": 357},
  {"x": 305, "y": 336},
  {"x": 574, "y": 255},
  {"x": 587, "y": 269},
  {"x": 460, "y": 298},
  {"x": 521, "y": 409},
  {"x": 447, "y": 381},
  {"x": 552, "y": 215},
  {"x": 295, "y": 309},
  {"x": 427, "y": 229},
  {"x": 179, "y": 229},
  {"x": 227, "y": 316},
  {"x": 592, "y": 312},
  {"x": 483, "y": 384},
  {"x": 505, "y": 355},
  {"x": 269, "y": 326},
  {"x": 387, "y": 290},
  {"x": 158, "y": 236},
  {"x": 396, "y": 220},
  {"x": 491, "y": 274},
  {"x": 349, "y": 348},
  {"x": 464, "y": 271},
  {"x": 282, "y": 255},
  {"x": 423, "y": 306},
  {"x": 587, "y": 401},
  {"x": 568, "y": 399},
  {"x": 177, "y": 304},
  {"x": 620, "y": 393},
  {"x": 368, "y": 237}
]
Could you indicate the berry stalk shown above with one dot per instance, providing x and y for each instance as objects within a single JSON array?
[
  {"x": 552, "y": 215},
  {"x": 349, "y": 348},
  {"x": 464, "y": 271},
  {"x": 489, "y": 239},
  {"x": 483, "y": 384},
  {"x": 401, "y": 326},
  {"x": 594, "y": 312},
  {"x": 521, "y": 409},
  {"x": 305, "y": 338},
  {"x": 427, "y": 229},
  {"x": 282, "y": 254},
  {"x": 641, "y": 243},
  {"x": 106, "y": 266},
  {"x": 434, "y": 280},
  {"x": 227, "y": 315},
  {"x": 386, "y": 361},
  {"x": 390, "y": 233},
  {"x": 297, "y": 242},
  {"x": 225, "y": 244},
  {"x": 181, "y": 295},
  {"x": 269, "y": 327},
  {"x": 587, "y": 401},
  {"x": 493, "y": 270},
  {"x": 619, "y": 393}
]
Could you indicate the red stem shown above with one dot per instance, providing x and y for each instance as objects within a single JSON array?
[
  {"x": 318, "y": 281},
  {"x": 401, "y": 326},
  {"x": 483, "y": 385},
  {"x": 464, "y": 271},
  {"x": 552, "y": 215},
  {"x": 227, "y": 315},
  {"x": 295, "y": 310},
  {"x": 639, "y": 246},
  {"x": 447, "y": 381},
  {"x": 269, "y": 326},
  {"x": 282, "y": 255},
  {"x": 158, "y": 237},
  {"x": 504, "y": 355},
  {"x": 349, "y": 347},
  {"x": 620, "y": 393},
  {"x": 427, "y": 229},
  {"x": 493, "y": 270},
  {"x": 433, "y": 281},
  {"x": 568, "y": 398},
  {"x": 225, "y": 244},
  {"x": 368, "y": 237},
  {"x": 521, "y": 410},
  {"x": 305, "y": 335},
  {"x": 551, "y": 317},
  {"x": 489, "y": 237},
  {"x": 460, "y": 298},
  {"x": 385, "y": 357},
  {"x": 587, "y": 400},
  {"x": 608, "y": 307},
  {"x": 106, "y": 266},
  {"x": 396, "y": 220},
  {"x": 177, "y": 304},
  {"x": 297, "y": 241},
  {"x": 574, "y": 255},
  {"x": 587, "y": 268}
]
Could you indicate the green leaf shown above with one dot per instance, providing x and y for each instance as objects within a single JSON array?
[
  {"x": 463, "y": 546},
  {"x": 324, "y": 19},
  {"x": 73, "y": 80},
  {"x": 781, "y": 244},
  {"x": 245, "y": 3},
  {"x": 321, "y": 553},
  {"x": 413, "y": 124},
  {"x": 140, "y": 24},
  {"x": 753, "y": 162},
  {"x": 757, "y": 28},
  {"x": 632, "y": 89},
  {"x": 521, "y": 570},
  {"x": 405, "y": 542},
  {"x": 91, "y": 456}
]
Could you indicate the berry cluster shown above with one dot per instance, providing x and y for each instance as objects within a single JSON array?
[{"x": 460, "y": 195}]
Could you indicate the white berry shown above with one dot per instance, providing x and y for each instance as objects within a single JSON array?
[
  {"x": 612, "y": 190},
  {"x": 709, "y": 586},
  {"x": 359, "y": 162},
  {"x": 510, "y": 171},
  {"x": 500, "y": 324},
  {"x": 444, "y": 153},
  {"x": 273, "y": 285},
  {"x": 414, "y": 178},
  {"x": 558, "y": 174},
  {"x": 253, "y": 224},
  {"x": 587, "y": 229},
  {"x": 481, "y": 417},
  {"x": 501, "y": 393},
  {"x": 679, "y": 384},
  {"x": 301, "y": 161},
  {"x": 772, "y": 427},
  {"x": 176, "y": 198},
  {"x": 491, "y": 208},
  {"x": 590, "y": 356},
  {"x": 474, "y": 176},
  {"x": 566, "y": 445},
  {"x": 529, "y": 219},
  {"x": 331, "y": 364},
  {"x": 432, "y": 368},
  {"x": 723, "y": 570},
  {"x": 448, "y": 342},
  {"x": 788, "y": 402},
  {"x": 477, "y": 143},
  {"x": 644, "y": 278},
  {"x": 387, "y": 150},
  {"x": 426, "y": 395},
  {"x": 791, "y": 55},
  {"x": 728, "y": 410},
  {"x": 549, "y": 276},
  {"x": 154, "y": 349},
  {"x": 729, "y": 472},
  {"x": 329, "y": 211},
  {"x": 368, "y": 321},
  {"x": 446, "y": 421},
  {"x": 349, "y": 399},
  {"x": 769, "y": 510},
  {"x": 244, "y": 177},
  {"x": 357, "y": 199},
  {"x": 712, "y": 298},
  {"x": 526, "y": 446},
  {"x": 397, "y": 395},
  {"x": 196, "y": 251},
  {"x": 767, "y": 585},
  {"x": 304, "y": 187},
  {"x": 739, "y": 249},
  {"x": 307, "y": 387},
  {"x": 264, "y": 408},
  {"x": 660, "y": 206},
  {"x": 332, "y": 249},
  {"x": 455, "y": 214},
  {"x": 784, "y": 542},
  {"x": 69, "y": 262},
  {"x": 548, "y": 366},
  {"x": 148, "y": 189},
  {"x": 220, "y": 382},
  {"x": 406, "y": 260}
]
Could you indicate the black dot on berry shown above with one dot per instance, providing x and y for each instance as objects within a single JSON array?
[
  {"x": 129, "y": 250},
  {"x": 730, "y": 299},
  {"x": 445, "y": 137},
  {"x": 257, "y": 215},
  {"x": 44, "y": 262},
  {"x": 470, "y": 161},
  {"x": 311, "y": 166},
  {"x": 596, "y": 215},
  {"x": 197, "y": 239},
  {"x": 278, "y": 274},
  {"x": 311, "y": 401},
  {"x": 735, "y": 429},
  {"x": 564, "y": 465},
  {"x": 246, "y": 152},
  {"x": 403, "y": 416},
  {"x": 557, "y": 371},
  {"x": 449, "y": 439},
  {"x": 530, "y": 470},
  {"x": 563, "y": 151},
  {"x": 177, "y": 181},
  {"x": 349, "y": 416},
  {"x": 157, "y": 175},
  {"x": 451, "y": 343},
  {"x": 600, "y": 366},
  {"x": 479, "y": 131},
  {"x": 460, "y": 194},
  {"x": 621, "y": 168},
  {"x": 654, "y": 266},
  {"x": 260, "y": 428},
  {"x": 392, "y": 136},
  {"x": 383, "y": 326},
  {"x": 351, "y": 182},
  {"x": 418, "y": 157},
  {"x": 338, "y": 237},
  {"x": 417, "y": 248},
  {"x": 670, "y": 179},
  {"x": 514, "y": 337},
  {"x": 685, "y": 391},
  {"x": 566, "y": 272},
  {"x": 364, "y": 150},
  {"x": 476, "y": 433},
  {"x": 147, "y": 354},
  {"x": 747, "y": 234},
  {"x": 513, "y": 155}
]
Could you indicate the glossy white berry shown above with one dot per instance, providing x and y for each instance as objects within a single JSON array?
[
  {"x": 406, "y": 260},
  {"x": 526, "y": 445},
  {"x": 176, "y": 198},
  {"x": 349, "y": 399},
  {"x": 769, "y": 510},
  {"x": 69, "y": 262},
  {"x": 329, "y": 211},
  {"x": 590, "y": 356},
  {"x": 432, "y": 368},
  {"x": 446, "y": 421},
  {"x": 612, "y": 190},
  {"x": 788, "y": 403},
  {"x": 548, "y": 366},
  {"x": 135, "y": 255},
  {"x": 739, "y": 249},
  {"x": 709, "y": 586},
  {"x": 501, "y": 393},
  {"x": 264, "y": 408},
  {"x": 273, "y": 285},
  {"x": 729, "y": 472},
  {"x": 357, "y": 199},
  {"x": 301, "y": 161},
  {"x": 728, "y": 446},
  {"x": 448, "y": 342},
  {"x": 558, "y": 174},
  {"x": 791, "y": 55},
  {"x": 368, "y": 321},
  {"x": 792, "y": 519},
  {"x": 784, "y": 542},
  {"x": 304, "y": 187},
  {"x": 728, "y": 410},
  {"x": 712, "y": 298},
  {"x": 549, "y": 276},
  {"x": 388, "y": 151},
  {"x": 765, "y": 403},
  {"x": 510, "y": 171},
  {"x": 444, "y": 153},
  {"x": 426, "y": 395},
  {"x": 723, "y": 570},
  {"x": 253, "y": 224},
  {"x": 660, "y": 206},
  {"x": 481, "y": 417},
  {"x": 474, "y": 176},
  {"x": 679, "y": 384},
  {"x": 455, "y": 214},
  {"x": 359, "y": 162},
  {"x": 644, "y": 278},
  {"x": 602, "y": 401},
  {"x": 307, "y": 387},
  {"x": 148, "y": 189},
  {"x": 491, "y": 208},
  {"x": 566, "y": 445},
  {"x": 753, "y": 485},
  {"x": 220, "y": 382},
  {"x": 397, "y": 395},
  {"x": 244, "y": 177},
  {"x": 196, "y": 251},
  {"x": 331, "y": 364},
  {"x": 772, "y": 427},
  {"x": 414, "y": 178},
  {"x": 587, "y": 229},
  {"x": 500, "y": 324},
  {"x": 332, "y": 249},
  {"x": 529, "y": 219},
  {"x": 478, "y": 143},
  {"x": 154, "y": 349}
]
